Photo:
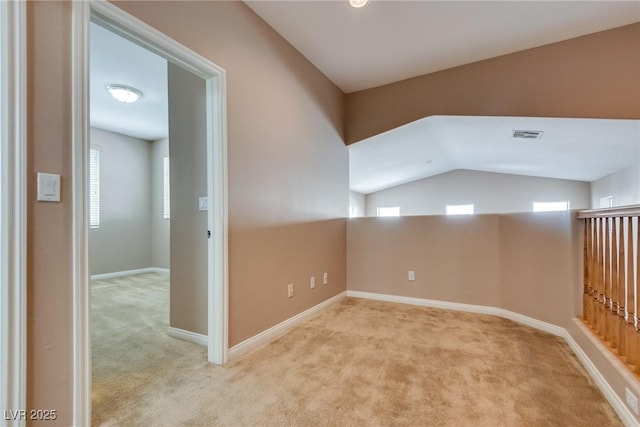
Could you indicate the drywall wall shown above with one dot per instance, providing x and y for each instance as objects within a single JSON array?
[
  {"x": 49, "y": 225},
  {"x": 288, "y": 166},
  {"x": 623, "y": 186},
  {"x": 538, "y": 257},
  {"x": 188, "y": 166},
  {"x": 160, "y": 227},
  {"x": 489, "y": 192},
  {"x": 123, "y": 240},
  {"x": 357, "y": 201},
  {"x": 564, "y": 79},
  {"x": 455, "y": 259},
  {"x": 525, "y": 263}
]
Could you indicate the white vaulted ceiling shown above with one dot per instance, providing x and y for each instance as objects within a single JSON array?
[
  {"x": 388, "y": 41},
  {"x": 576, "y": 149}
]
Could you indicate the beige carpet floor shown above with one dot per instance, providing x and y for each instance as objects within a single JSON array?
[{"x": 357, "y": 363}]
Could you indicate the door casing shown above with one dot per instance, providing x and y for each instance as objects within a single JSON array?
[{"x": 131, "y": 28}]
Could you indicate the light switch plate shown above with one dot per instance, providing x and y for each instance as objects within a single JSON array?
[
  {"x": 203, "y": 203},
  {"x": 48, "y": 187}
]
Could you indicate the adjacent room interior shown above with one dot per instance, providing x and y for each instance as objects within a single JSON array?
[
  {"x": 137, "y": 300},
  {"x": 129, "y": 213}
]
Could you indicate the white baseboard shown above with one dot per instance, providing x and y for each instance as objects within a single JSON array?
[
  {"x": 623, "y": 411},
  {"x": 612, "y": 397},
  {"x": 534, "y": 323},
  {"x": 279, "y": 329},
  {"x": 469, "y": 308},
  {"x": 188, "y": 336},
  {"x": 129, "y": 273}
]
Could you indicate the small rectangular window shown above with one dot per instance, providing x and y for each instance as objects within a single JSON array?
[
  {"x": 550, "y": 206},
  {"x": 94, "y": 188},
  {"x": 389, "y": 211},
  {"x": 460, "y": 209},
  {"x": 166, "y": 184},
  {"x": 353, "y": 211},
  {"x": 606, "y": 202}
]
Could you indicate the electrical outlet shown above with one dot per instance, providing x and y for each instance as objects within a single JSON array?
[
  {"x": 632, "y": 401},
  {"x": 325, "y": 278},
  {"x": 312, "y": 282},
  {"x": 290, "y": 290},
  {"x": 412, "y": 275}
]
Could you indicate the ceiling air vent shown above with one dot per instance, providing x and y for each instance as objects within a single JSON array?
[{"x": 527, "y": 134}]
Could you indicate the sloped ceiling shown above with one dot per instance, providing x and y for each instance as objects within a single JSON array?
[
  {"x": 388, "y": 41},
  {"x": 575, "y": 149}
]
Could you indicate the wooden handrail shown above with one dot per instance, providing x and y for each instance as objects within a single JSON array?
[{"x": 632, "y": 210}]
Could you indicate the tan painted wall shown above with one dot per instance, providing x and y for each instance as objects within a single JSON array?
[
  {"x": 455, "y": 259},
  {"x": 188, "y": 168},
  {"x": 505, "y": 261},
  {"x": 537, "y": 261},
  {"x": 49, "y": 274},
  {"x": 593, "y": 76}
]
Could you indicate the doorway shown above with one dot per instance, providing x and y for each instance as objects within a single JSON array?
[{"x": 213, "y": 130}]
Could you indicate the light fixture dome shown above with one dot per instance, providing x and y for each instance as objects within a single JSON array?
[
  {"x": 123, "y": 93},
  {"x": 358, "y": 3}
]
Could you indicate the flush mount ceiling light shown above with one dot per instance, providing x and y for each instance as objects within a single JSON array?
[
  {"x": 124, "y": 94},
  {"x": 358, "y": 3}
]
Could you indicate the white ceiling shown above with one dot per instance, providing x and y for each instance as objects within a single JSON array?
[
  {"x": 388, "y": 41},
  {"x": 576, "y": 149},
  {"x": 117, "y": 60}
]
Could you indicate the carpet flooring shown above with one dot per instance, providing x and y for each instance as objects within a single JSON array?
[{"x": 357, "y": 363}]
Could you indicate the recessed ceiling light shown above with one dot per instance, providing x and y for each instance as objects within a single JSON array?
[
  {"x": 123, "y": 93},
  {"x": 358, "y": 3}
]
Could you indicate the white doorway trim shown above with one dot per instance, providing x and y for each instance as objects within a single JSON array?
[
  {"x": 13, "y": 211},
  {"x": 135, "y": 30}
]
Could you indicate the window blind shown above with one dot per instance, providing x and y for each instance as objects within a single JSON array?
[
  {"x": 166, "y": 189},
  {"x": 94, "y": 188}
]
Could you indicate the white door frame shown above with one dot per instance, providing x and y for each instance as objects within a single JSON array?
[
  {"x": 13, "y": 210},
  {"x": 135, "y": 30}
]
